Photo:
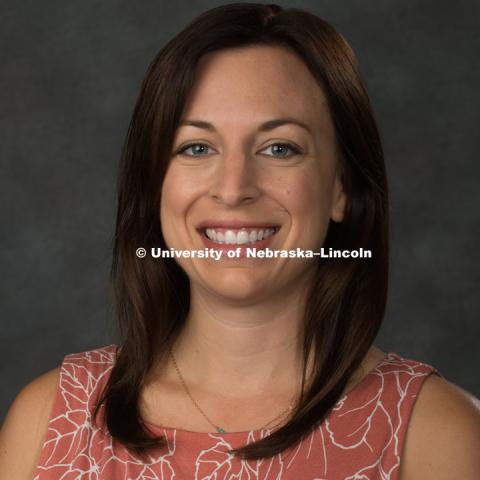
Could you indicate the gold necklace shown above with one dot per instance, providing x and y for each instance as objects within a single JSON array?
[{"x": 217, "y": 428}]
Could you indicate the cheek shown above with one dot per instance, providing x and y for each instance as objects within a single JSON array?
[
  {"x": 306, "y": 199},
  {"x": 178, "y": 192},
  {"x": 303, "y": 194}
]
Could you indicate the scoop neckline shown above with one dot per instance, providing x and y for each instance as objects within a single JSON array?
[{"x": 160, "y": 429}]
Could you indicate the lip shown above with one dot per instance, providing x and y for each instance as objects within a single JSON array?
[
  {"x": 225, "y": 247},
  {"x": 234, "y": 224}
]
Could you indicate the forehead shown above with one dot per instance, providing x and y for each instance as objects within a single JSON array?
[{"x": 254, "y": 81}]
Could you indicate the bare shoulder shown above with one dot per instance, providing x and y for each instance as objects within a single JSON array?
[
  {"x": 25, "y": 426},
  {"x": 443, "y": 436}
]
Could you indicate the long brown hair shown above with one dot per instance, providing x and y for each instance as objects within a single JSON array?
[{"x": 347, "y": 299}]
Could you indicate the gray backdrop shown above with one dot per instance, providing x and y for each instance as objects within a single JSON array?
[{"x": 70, "y": 74}]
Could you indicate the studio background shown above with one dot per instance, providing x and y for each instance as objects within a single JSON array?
[{"x": 70, "y": 75}]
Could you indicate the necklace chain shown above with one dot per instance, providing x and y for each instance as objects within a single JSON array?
[{"x": 217, "y": 427}]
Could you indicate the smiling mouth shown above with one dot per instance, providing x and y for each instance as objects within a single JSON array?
[{"x": 238, "y": 236}]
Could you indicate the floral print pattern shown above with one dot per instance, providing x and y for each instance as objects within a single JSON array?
[{"x": 361, "y": 439}]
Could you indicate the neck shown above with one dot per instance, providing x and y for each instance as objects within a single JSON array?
[{"x": 235, "y": 350}]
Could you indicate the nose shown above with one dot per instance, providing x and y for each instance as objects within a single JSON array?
[{"x": 235, "y": 180}]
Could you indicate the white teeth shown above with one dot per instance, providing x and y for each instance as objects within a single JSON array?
[
  {"x": 211, "y": 233},
  {"x": 242, "y": 237},
  {"x": 238, "y": 237},
  {"x": 230, "y": 237}
]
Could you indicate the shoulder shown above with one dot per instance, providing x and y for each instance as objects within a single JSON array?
[
  {"x": 23, "y": 433},
  {"x": 443, "y": 434},
  {"x": 24, "y": 428}
]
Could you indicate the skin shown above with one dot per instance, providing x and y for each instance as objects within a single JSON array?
[
  {"x": 241, "y": 332},
  {"x": 243, "y": 322}
]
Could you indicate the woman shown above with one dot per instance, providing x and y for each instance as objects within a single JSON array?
[{"x": 252, "y": 130}]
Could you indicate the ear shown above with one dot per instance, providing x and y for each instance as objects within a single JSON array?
[{"x": 339, "y": 198}]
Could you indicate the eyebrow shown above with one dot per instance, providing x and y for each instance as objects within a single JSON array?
[{"x": 264, "y": 127}]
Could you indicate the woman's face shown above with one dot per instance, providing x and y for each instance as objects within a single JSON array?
[{"x": 254, "y": 157}]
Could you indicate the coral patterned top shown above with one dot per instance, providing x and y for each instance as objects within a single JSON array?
[{"x": 360, "y": 439}]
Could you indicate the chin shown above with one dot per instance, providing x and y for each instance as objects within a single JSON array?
[{"x": 236, "y": 285}]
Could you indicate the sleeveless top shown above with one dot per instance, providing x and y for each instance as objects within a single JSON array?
[{"x": 361, "y": 438}]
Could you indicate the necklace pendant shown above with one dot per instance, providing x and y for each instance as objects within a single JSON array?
[{"x": 220, "y": 430}]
